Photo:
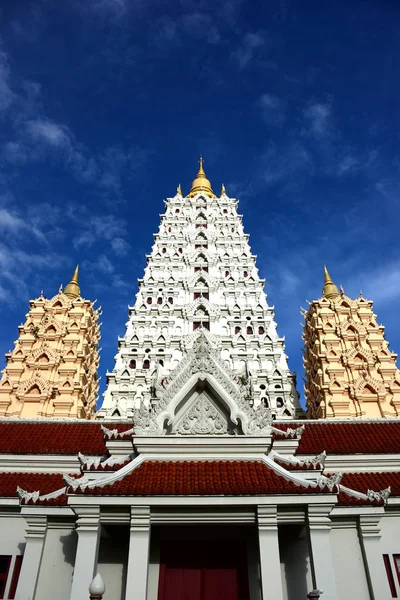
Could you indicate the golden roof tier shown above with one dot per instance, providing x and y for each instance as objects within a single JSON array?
[
  {"x": 350, "y": 371},
  {"x": 52, "y": 371}
]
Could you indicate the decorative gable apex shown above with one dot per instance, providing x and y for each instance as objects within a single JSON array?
[{"x": 201, "y": 395}]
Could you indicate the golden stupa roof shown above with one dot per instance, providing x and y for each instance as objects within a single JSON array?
[
  {"x": 201, "y": 184},
  {"x": 72, "y": 289},
  {"x": 329, "y": 290}
]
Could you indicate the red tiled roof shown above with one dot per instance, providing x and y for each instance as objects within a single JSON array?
[
  {"x": 198, "y": 478},
  {"x": 298, "y": 467},
  {"x": 71, "y": 437},
  {"x": 103, "y": 467},
  {"x": 349, "y": 438},
  {"x": 54, "y": 438},
  {"x": 31, "y": 482},
  {"x": 362, "y": 482}
]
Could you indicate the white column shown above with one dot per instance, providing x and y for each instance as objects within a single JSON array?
[
  {"x": 88, "y": 530},
  {"x": 370, "y": 535},
  {"x": 271, "y": 578},
  {"x": 35, "y": 536},
  {"x": 321, "y": 551},
  {"x": 139, "y": 551}
]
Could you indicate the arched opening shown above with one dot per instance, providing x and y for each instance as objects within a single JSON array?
[
  {"x": 146, "y": 364},
  {"x": 261, "y": 330},
  {"x": 132, "y": 364},
  {"x": 33, "y": 391}
]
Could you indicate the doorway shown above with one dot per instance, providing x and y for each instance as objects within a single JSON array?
[{"x": 203, "y": 570}]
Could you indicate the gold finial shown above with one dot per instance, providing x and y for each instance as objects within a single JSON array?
[
  {"x": 178, "y": 190},
  {"x": 201, "y": 183},
  {"x": 329, "y": 290},
  {"x": 72, "y": 290},
  {"x": 223, "y": 190}
]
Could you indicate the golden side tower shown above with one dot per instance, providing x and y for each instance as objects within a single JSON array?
[
  {"x": 350, "y": 371},
  {"x": 52, "y": 371}
]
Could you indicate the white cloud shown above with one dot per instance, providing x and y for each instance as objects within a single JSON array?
[
  {"x": 9, "y": 221},
  {"x": 120, "y": 246},
  {"x": 383, "y": 284},
  {"x": 318, "y": 118},
  {"x": 49, "y": 132},
  {"x": 12, "y": 223},
  {"x": 272, "y": 109},
  {"x": 246, "y": 50}
]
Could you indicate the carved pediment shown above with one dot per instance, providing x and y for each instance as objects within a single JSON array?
[
  {"x": 203, "y": 418},
  {"x": 202, "y": 373}
]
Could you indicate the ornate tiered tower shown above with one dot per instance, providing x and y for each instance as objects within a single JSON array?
[
  {"x": 350, "y": 372},
  {"x": 200, "y": 280},
  {"x": 52, "y": 371}
]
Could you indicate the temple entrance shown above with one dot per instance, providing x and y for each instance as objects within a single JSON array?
[{"x": 203, "y": 570}]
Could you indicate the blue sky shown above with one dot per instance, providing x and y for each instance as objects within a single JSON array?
[{"x": 105, "y": 106}]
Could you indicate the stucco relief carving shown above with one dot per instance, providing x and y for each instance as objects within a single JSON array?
[
  {"x": 190, "y": 309},
  {"x": 202, "y": 360},
  {"x": 35, "y": 381},
  {"x": 202, "y": 419}
]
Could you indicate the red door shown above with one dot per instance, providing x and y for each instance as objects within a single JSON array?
[{"x": 203, "y": 570}]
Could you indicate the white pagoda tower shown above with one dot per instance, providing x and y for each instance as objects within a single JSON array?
[{"x": 201, "y": 299}]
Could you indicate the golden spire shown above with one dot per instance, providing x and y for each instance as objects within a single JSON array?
[
  {"x": 179, "y": 190},
  {"x": 72, "y": 290},
  {"x": 201, "y": 184},
  {"x": 223, "y": 191},
  {"x": 329, "y": 290}
]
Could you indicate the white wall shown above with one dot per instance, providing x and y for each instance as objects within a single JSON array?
[
  {"x": 113, "y": 560},
  {"x": 57, "y": 562},
  {"x": 348, "y": 562},
  {"x": 12, "y": 537},
  {"x": 390, "y": 543},
  {"x": 12, "y": 541},
  {"x": 295, "y": 562}
]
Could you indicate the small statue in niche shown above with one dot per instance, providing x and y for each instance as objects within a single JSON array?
[{"x": 159, "y": 378}]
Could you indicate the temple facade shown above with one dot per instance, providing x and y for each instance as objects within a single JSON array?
[
  {"x": 350, "y": 371},
  {"x": 52, "y": 370},
  {"x": 201, "y": 478}
]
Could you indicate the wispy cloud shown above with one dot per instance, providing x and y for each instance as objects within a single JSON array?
[
  {"x": 272, "y": 109},
  {"x": 318, "y": 119},
  {"x": 120, "y": 246},
  {"x": 247, "y": 48},
  {"x": 382, "y": 284},
  {"x": 11, "y": 222}
]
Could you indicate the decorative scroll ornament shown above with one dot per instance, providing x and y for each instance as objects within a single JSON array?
[
  {"x": 27, "y": 496},
  {"x": 330, "y": 482},
  {"x": 382, "y": 495},
  {"x": 145, "y": 421},
  {"x": 202, "y": 419},
  {"x": 316, "y": 460},
  {"x": 290, "y": 432}
]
